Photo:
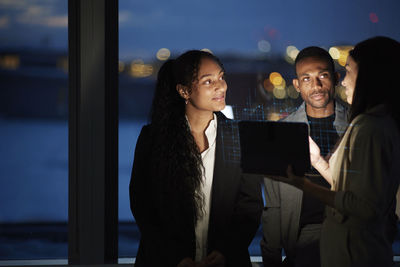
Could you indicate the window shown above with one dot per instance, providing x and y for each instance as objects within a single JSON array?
[
  {"x": 257, "y": 43},
  {"x": 34, "y": 129},
  {"x": 33, "y": 92}
]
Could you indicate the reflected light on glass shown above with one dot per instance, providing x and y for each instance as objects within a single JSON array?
[
  {"x": 334, "y": 52},
  {"x": 163, "y": 54},
  {"x": 264, "y": 46}
]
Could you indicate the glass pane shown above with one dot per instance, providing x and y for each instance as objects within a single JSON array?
[
  {"x": 33, "y": 129},
  {"x": 257, "y": 41}
]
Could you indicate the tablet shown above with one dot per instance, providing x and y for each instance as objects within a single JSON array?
[{"x": 268, "y": 147}]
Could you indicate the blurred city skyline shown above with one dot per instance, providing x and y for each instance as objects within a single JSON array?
[{"x": 259, "y": 28}]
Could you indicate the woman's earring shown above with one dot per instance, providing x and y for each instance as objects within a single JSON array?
[{"x": 186, "y": 101}]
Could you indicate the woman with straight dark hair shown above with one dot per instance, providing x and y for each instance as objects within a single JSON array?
[
  {"x": 364, "y": 170},
  {"x": 191, "y": 203}
]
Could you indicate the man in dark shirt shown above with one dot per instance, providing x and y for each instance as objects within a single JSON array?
[{"x": 292, "y": 221}]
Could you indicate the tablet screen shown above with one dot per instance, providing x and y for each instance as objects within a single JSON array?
[{"x": 268, "y": 147}]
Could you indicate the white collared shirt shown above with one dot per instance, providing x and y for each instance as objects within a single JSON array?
[{"x": 208, "y": 157}]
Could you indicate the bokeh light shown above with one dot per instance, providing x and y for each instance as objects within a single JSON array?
[
  {"x": 292, "y": 52},
  {"x": 292, "y": 93},
  {"x": 277, "y": 81},
  {"x": 279, "y": 93},
  {"x": 140, "y": 70},
  {"x": 121, "y": 66},
  {"x": 264, "y": 46},
  {"x": 273, "y": 116},
  {"x": 268, "y": 86},
  {"x": 373, "y": 17},
  {"x": 278, "y": 84},
  {"x": 62, "y": 63},
  {"x": 10, "y": 62},
  {"x": 275, "y": 78},
  {"x": 343, "y": 54},
  {"x": 163, "y": 54},
  {"x": 281, "y": 85},
  {"x": 334, "y": 52},
  {"x": 273, "y": 33}
]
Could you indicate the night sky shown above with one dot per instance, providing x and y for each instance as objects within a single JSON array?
[{"x": 222, "y": 26}]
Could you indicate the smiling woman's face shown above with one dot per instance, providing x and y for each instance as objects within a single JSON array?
[{"x": 208, "y": 91}]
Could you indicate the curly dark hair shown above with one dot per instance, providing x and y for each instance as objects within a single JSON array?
[
  {"x": 378, "y": 60},
  {"x": 176, "y": 155}
]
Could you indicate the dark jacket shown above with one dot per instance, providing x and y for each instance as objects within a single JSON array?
[{"x": 236, "y": 206}]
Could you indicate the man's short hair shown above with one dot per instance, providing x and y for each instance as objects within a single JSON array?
[{"x": 315, "y": 52}]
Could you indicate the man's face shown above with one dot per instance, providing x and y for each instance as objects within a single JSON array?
[{"x": 315, "y": 82}]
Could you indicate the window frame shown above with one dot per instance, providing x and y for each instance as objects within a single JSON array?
[{"x": 93, "y": 132}]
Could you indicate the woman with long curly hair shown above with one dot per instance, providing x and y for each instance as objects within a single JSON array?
[{"x": 192, "y": 205}]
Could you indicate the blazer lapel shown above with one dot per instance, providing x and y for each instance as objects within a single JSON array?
[{"x": 226, "y": 173}]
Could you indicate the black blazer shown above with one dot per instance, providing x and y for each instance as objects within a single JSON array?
[{"x": 236, "y": 206}]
